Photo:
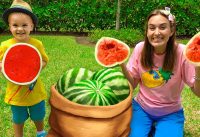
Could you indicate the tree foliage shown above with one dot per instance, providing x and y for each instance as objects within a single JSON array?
[{"x": 87, "y": 15}]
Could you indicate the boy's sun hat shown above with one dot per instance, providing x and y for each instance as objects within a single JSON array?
[{"x": 20, "y": 6}]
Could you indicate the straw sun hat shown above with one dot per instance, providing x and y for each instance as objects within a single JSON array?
[{"x": 20, "y": 6}]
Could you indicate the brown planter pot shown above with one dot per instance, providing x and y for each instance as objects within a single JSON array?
[{"x": 69, "y": 119}]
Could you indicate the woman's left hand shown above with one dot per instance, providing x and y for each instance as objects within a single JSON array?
[{"x": 196, "y": 88}]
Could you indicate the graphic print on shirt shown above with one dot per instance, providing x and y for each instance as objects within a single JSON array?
[{"x": 155, "y": 78}]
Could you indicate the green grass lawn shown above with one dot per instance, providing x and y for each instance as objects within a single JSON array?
[{"x": 64, "y": 53}]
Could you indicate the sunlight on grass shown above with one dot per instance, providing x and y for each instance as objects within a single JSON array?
[{"x": 64, "y": 53}]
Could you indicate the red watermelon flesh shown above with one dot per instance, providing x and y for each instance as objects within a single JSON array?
[
  {"x": 192, "y": 51},
  {"x": 110, "y": 52},
  {"x": 22, "y": 64}
]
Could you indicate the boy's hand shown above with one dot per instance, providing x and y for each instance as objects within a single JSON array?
[
  {"x": 0, "y": 66},
  {"x": 44, "y": 63}
]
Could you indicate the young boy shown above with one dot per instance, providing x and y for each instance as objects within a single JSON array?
[{"x": 22, "y": 21}]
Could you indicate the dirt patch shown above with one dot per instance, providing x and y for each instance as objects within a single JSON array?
[
  {"x": 80, "y": 37},
  {"x": 83, "y": 40}
]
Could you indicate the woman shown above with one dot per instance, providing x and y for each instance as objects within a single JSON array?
[{"x": 161, "y": 70}]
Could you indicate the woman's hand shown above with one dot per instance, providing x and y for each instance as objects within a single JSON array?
[
  {"x": 196, "y": 88},
  {"x": 128, "y": 76}
]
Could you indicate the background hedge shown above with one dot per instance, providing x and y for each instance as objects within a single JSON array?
[{"x": 87, "y": 15}]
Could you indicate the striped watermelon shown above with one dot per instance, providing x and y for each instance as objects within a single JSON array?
[
  {"x": 115, "y": 80},
  {"x": 91, "y": 92},
  {"x": 72, "y": 76}
]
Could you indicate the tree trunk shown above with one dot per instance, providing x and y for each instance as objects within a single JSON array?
[{"x": 118, "y": 15}]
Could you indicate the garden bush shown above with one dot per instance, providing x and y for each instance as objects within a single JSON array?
[
  {"x": 129, "y": 36},
  {"x": 89, "y": 15}
]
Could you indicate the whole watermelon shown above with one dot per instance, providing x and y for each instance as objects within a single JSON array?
[
  {"x": 91, "y": 92},
  {"x": 72, "y": 76},
  {"x": 115, "y": 79}
]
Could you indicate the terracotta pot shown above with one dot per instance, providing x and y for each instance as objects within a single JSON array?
[{"x": 69, "y": 119}]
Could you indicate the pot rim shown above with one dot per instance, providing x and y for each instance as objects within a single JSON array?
[{"x": 61, "y": 103}]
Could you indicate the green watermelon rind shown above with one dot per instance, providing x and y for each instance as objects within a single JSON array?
[
  {"x": 91, "y": 92},
  {"x": 118, "y": 41},
  {"x": 72, "y": 76},
  {"x": 185, "y": 50},
  {"x": 115, "y": 79}
]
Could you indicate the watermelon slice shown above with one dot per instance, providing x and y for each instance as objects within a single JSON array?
[
  {"x": 192, "y": 50},
  {"x": 21, "y": 64},
  {"x": 110, "y": 52}
]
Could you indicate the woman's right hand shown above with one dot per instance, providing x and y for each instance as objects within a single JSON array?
[
  {"x": 128, "y": 75},
  {"x": 123, "y": 67}
]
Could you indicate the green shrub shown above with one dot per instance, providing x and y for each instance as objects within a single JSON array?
[
  {"x": 129, "y": 36},
  {"x": 88, "y": 15}
]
